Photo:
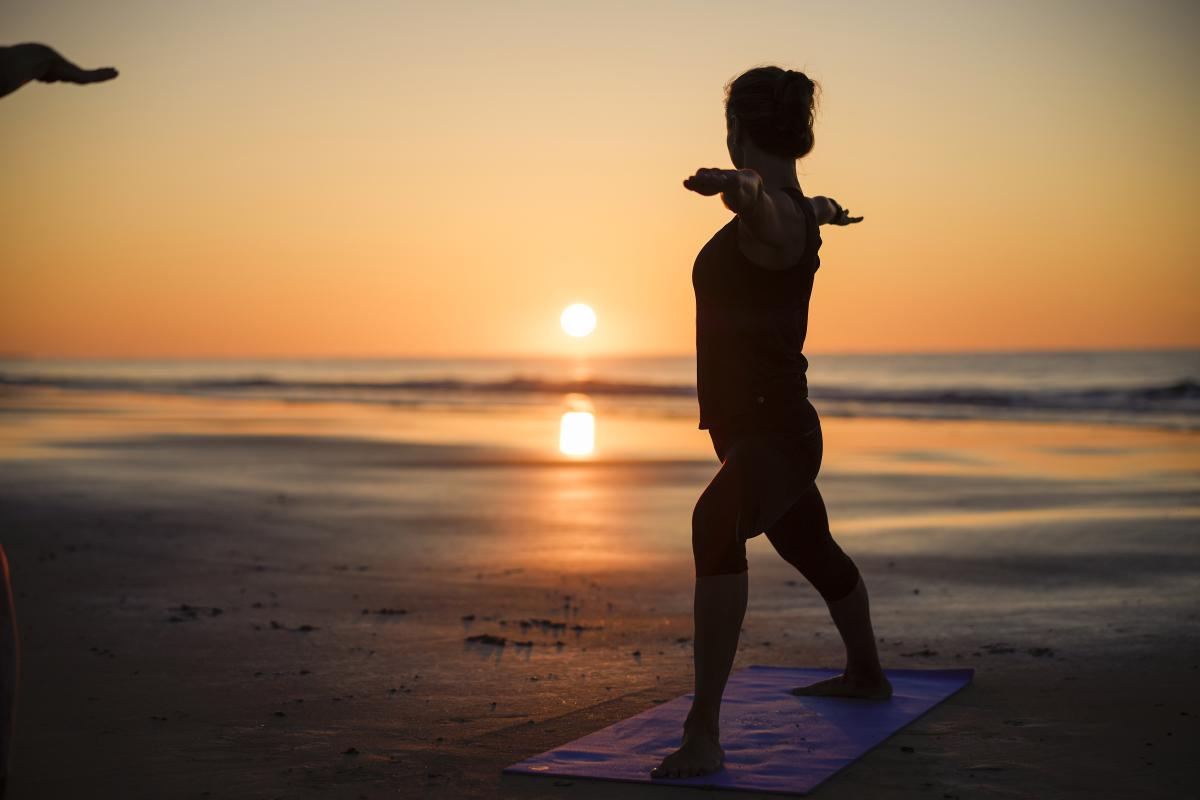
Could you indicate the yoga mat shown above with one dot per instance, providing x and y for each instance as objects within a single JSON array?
[{"x": 774, "y": 741}]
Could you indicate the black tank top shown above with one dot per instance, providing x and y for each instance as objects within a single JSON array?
[{"x": 751, "y": 323}]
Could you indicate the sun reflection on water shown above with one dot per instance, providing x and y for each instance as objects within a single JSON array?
[{"x": 577, "y": 429}]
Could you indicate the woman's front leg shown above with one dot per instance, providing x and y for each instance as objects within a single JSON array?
[{"x": 719, "y": 608}]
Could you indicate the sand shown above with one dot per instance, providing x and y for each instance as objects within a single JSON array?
[{"x": 267, "y": 600}]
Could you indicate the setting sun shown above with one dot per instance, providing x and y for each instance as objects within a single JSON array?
[{"x": 578, "y": 319}]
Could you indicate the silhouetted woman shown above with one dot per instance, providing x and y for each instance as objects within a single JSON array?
[{"x": 753, "y": 280}]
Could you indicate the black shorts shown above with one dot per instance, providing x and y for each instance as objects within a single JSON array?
[{"x": 782, "y": 452}]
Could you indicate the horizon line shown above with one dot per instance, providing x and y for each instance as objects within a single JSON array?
[{"x": 581, "y": 357}]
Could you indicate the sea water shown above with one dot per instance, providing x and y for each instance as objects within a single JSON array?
[{"x": 1157, "y": 388}]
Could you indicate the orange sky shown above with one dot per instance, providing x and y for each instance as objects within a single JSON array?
[{"x": 379, "y": 178}]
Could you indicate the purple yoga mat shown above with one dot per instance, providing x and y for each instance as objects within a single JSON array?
[{"x": 773, "y": 740}]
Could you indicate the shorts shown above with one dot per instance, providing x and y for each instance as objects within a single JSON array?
[{"x": 779, "y": 455}]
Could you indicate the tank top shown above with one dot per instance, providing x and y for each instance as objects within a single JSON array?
[{"x": 751, "y": 323}]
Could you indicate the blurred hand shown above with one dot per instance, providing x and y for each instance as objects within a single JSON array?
[
  {"x": 710, "y": 180},
  {"x": 22, "y": 63},
  {"x": 59, "y": 69},
  {"x": 740, "y": 189},
  {"x": 842, "y": 216}
]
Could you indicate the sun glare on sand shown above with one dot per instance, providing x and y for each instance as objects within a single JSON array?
[{"x": 578, "y": 319}]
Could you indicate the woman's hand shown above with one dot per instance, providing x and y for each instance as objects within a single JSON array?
[
  {"x": 59, "y": 69},
  {"x": 739, "y": 188},
  {"x": 841, "y": 216},
  {"x": 22, "y": 63}
]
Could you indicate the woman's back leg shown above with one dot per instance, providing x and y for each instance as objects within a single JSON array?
[{"x": 802, "y": 537}]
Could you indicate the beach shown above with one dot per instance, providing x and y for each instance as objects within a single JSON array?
[{"x": 258, "y": 598}]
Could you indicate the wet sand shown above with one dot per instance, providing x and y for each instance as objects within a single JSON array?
[{"x": 223, "y": 599}]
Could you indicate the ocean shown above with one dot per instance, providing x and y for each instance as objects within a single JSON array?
[{"x": 1155, "y": 388}]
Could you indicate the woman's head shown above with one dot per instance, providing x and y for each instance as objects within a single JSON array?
[{"x": 773, "y": 107}]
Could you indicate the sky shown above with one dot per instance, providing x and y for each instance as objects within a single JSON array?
[{"x": 435, "y": 179}]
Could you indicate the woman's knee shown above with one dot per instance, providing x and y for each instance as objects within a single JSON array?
[
  {"x": 840, "y": 577},
  {"x": 819, "y": 559},
  {"x": 716, "y": 548},
  {"x": 720, "y": 560}
]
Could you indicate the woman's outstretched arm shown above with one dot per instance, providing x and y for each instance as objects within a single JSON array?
[
  {"x": 742, "y": 192},
  {"x": 22, "y": 63}
]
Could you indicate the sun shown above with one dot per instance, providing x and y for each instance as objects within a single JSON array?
[{"x": 578, "y": 319}]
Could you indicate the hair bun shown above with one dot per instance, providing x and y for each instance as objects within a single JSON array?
[
  {"x": 793, "y": 87},
  {"x": 775, "y": 107},
  {"x": 793, "y": 97}
]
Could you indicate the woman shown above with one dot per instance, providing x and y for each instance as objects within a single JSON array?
[{"x": 753, "y": 281}]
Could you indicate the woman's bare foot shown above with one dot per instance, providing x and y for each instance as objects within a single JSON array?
[
  {"x": 699, "y": 754},
  {"x": 877, "y": 687}
]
